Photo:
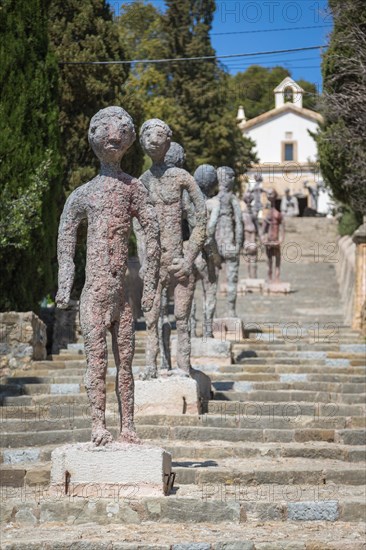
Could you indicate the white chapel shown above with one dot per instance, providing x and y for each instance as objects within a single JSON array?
[{"x": 286, "y": 151}]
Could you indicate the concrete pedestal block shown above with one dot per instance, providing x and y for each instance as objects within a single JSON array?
[
  {"x": 167, "y": 395},
  {"x": 228, "y": 328},
  {"x": 206, "y": 350},
  {"x": 253, "y": 285},
  {"x": 277, "y": 288},
  {"x": 118, "y": 470}
]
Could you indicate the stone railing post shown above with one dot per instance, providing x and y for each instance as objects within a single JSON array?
[{"x": 359, "y": 304}]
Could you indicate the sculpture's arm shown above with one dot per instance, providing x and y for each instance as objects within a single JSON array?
[
  {"x": 264, "y": 229},
  {"x": 188, "y": 211},
  {"x": 141, "y": 245},
  {"x": 213, "y": 213},
  {"x": 73, "y": 212},
  {"x": 142, "y": 209},
  {"x": 198, "y": 235},
  {"x": 238, "y": 218},
  {"x": 283, "y": 205},
  {"x": 282, "y": 230}
]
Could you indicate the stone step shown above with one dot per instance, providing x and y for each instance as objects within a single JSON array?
[
  {"x": 247, "y": 369},
  {"x": 320, "y": 363},
  {"x": 327, "y": 474},
  {"x": 169, "y": 510},
  {"x": 246, "y": 421},
  {"x": 324, "y": 382},
  {"x": 56, "y": 408},
  {"x": 290, "y": 395},
  {"x": 201, "y": 535},
  {"x": 297, "y": 382},
  {"x": 214, "y": 451},
  {"x": 192, "y": 433},
  {"x": 300, "y": 369}
]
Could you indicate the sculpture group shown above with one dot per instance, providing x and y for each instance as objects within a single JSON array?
[{"x": 185, "y": 234}]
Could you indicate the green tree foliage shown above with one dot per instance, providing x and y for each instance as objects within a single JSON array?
[
  {"x": 342, "y": 140},
  {"x": 29, "y": 155},
  {"x": 204, "y": 123},
  {"x": 143, "y": 37},
  {"x": 84, "y": 30},
  {"x": 253, "y": 89}
]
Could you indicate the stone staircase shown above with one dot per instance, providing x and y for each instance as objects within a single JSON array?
[{"x": 277, "y": 463}]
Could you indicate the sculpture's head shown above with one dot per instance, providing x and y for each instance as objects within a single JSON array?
[
  {"x": 248, "y": 198},
  {"x": 206, "y": 178},
  {"x": 111, "y": 134},
  {"x": 226, "y": 178},
  {"x": 272, "y": 195},
  {"x": 155, "y": 138},
  {"x": 175, "y": 155},
  {"x": 287, "y": 191}
]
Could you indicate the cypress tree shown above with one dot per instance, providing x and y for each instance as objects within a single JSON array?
[
  {"x": 84, "y": 30},
  {"x": 342, "y": 141},
  {"x": 29, "y": 155},
  {"x": 204, "y": 125}
]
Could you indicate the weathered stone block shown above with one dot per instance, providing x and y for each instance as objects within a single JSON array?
[
  {"x": 277, "y": 288},
  {"x": 234, "y": 545},
  {"x": 313, "y": 511},
  {"x": 228, "y": 328},
  {"x": 171, "y": 395},
  {"x": 79, "y": 467},
  {"x": 18, "y": 456},
  {"x": 192, "y": 546},
  {"x": 23, "y": 338},
  {"x": 206, "y": 350}
]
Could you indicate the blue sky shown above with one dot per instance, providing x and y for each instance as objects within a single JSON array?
[{"x": 267, "y": 25}]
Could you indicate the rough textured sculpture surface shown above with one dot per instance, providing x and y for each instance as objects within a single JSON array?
[
  {"x": 108, "y": 202},
  {"x": 174, "y": 157},
  {"x": 165, "y": 185},
  {"x": 229, "y": 233},
  {"x": 273, "y": 232},
  {"x": 250, "y": 223},
  {"x": 208, "y": 261},
  {"x": 289, "y": 205}
]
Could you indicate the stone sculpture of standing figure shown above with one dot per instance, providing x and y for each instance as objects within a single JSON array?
[
  {"x": 273, "y": 232},
  {"x": 289, "y": 205},
  {"x": 108, "y": 202},
  {"x": 174, "y": 157},
  {"x": 229, "y": 233},
  {"x": 208, "y": 261},
  {"x": 250, "y": 235},
  {"x": 165, "y": 186}
]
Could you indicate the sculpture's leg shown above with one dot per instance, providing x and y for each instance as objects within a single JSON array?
[
  {"x": 278, "y": 264},
  {"x": 209, "y": 283},
  {"x": 94, "y": 333},
  {"x": 269, "y": 260},
  {"x": 232, "y": 271},
  {"x": 252, "y": 265},
  {"x": 183, "y": 297},
  {"x": 193, "y": 320},
  {"x": 152, "y": 340},
  {"x": 164, "y": 331},
  {"x": 123, "y": 341}
]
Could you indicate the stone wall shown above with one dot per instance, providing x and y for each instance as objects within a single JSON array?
[
  {"x": 23, "y": 339},
  {"x": 345, "y": 269}
]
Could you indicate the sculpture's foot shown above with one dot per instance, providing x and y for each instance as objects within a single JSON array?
[
  {"x": 231, "y": 313},
  {"x": 101, "y": 436},
  {"x": 150, "y": 373},
  {"x": 129, "y": 436},
  {"x": 181, "y": 373}
]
